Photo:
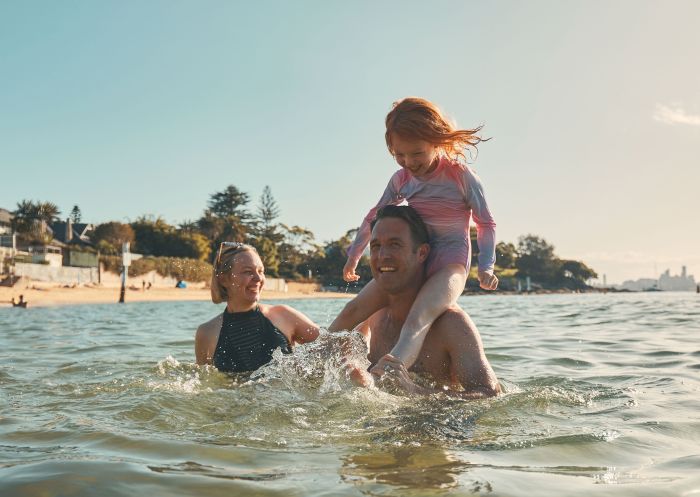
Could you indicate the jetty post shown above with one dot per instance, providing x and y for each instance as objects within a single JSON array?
[{"x": 126, "y": 262}]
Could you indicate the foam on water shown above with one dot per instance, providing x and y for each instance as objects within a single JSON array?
[{"x": 601, "y": 390}]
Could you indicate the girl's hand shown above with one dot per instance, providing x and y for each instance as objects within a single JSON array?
[
  {"x": 487, "y": 280},
  {"x": 349, "y": 272}
]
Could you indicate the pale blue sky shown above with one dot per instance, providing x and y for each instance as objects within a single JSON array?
[{"x": 128, "y": 108}]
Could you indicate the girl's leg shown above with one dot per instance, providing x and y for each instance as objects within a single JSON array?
[
  {"x": 366, "y": 303},
  {"x": 437, "y": 294}
]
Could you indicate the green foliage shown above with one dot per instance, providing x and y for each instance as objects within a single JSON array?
[
  {"x": 75, "y": 214},
  {"x": 229, "y": 203},
  {"x": 328, "y": 264},
  {"x": 174, "y": 267},
  {"x": 297, "y": 251},
  {"x": 156, "y": 237},
  {"x": 574, "y": 274},
  {"x": 506, "y": 255},
  {"x": 108, "y": 237},
  {"x": 269, "y": 255},
  {"x": 268, "y": 211},
  {"x": 536, "y": 259},
  {"x": 31, "y": 219}
]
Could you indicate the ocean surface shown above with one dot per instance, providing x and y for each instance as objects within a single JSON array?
[{"x": 602, "y": 398}]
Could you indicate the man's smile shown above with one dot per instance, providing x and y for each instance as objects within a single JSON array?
[{"x": 387, "y": 269}]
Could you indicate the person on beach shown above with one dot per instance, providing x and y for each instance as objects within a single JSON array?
[
  {"x": 22, "y": 303},
  {"x": 452, "y": 355},
  {"x": 245, "y": 335},
  {"x": 435, "y": 180}
]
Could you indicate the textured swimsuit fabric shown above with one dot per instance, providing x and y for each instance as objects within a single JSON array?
[{"x": 247, "y": 341}]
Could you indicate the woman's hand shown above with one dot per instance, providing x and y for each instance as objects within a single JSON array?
[
  {"x": 487, "y": 280},
  {"x": 349, "y": 272}
]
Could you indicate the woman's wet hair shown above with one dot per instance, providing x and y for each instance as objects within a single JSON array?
[
  {"x": 224, "y": 263},
  {"x": 419, "y": 231},
  {"x": 415, "y": 118}
]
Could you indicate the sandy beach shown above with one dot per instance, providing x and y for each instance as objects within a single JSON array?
[{"x": 39, "y": 294}]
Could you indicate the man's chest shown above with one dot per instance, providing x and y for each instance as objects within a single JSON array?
[{"x": 432, "y": 358}]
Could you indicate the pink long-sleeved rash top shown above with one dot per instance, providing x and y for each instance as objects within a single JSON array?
[{"x": 446, "y": 199}]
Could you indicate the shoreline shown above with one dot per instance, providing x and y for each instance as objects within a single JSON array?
[
  {"x": 41, "y": 294},
  {"x": 38, "y": 294}
]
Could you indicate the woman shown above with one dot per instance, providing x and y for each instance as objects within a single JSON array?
[{"x": 246, "y": 334}]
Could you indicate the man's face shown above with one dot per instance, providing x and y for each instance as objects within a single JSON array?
[{"x": 394, "y": 260}]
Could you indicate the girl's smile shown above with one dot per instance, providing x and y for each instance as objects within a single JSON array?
[{"x": 418, "y": 156}]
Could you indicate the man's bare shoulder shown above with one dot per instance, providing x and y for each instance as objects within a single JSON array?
[{"x": 455, "y": 325}]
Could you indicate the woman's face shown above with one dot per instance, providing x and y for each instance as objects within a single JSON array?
[{"x": 247, "y": 277}]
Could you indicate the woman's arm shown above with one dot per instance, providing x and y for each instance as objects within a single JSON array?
[
  {"x": 296, "y": 326},
  {"x": 205, "y": 340}
]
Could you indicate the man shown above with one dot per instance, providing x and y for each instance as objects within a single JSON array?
[{"x": 452, "y": 354}]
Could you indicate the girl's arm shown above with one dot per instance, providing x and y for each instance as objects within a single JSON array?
[
  {"x": 391, "y": 196},
  {"x": 485, "y": 229}
]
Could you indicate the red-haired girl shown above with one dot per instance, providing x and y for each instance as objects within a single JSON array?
[{"x": 435, "y": 180}]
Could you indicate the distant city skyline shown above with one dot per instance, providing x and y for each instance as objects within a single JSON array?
[
  {"x": 665, "y": 281},
  {"x": 127, "y": 109}
]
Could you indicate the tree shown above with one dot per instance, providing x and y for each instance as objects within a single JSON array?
[
  {"x": 268, "y": 211},
  {"x": 108, "y": 237},
  {"x": 506, "y": 255},
  {"x": 536, "y": 259},
  {"x": 230, "y": 202},
  {"x": 48, "y": 212},
  {"x": 297, "y": 249},
  {"x": 24, "y": 216},
  {"x": 328, "y": 264},
  {"x": 75, "y": 214},
  {"x": 156, "y": 237},
  {"x": 31, "y": 219},
  {"x": 268, "y": 254},
  {"x": 226, "y": 218},
  {"x": 576, "y": 273}
]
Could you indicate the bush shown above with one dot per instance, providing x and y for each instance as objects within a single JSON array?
[{"x": 175, "y": 267}]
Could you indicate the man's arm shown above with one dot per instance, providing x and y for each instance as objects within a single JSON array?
[
  {"x": 468, "y": 366},
  {"x": 468, "y": 363}
]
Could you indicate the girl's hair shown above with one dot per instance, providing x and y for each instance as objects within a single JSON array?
[
  {"x": 418, "y": 118},
  {"x": 223, "y": 263}
]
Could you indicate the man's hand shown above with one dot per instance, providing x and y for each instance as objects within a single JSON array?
[
  {"x": 349, "y": 272},
  {"x": 487, "y": 280},
  {"x": 385, "y": 364},
  {"x": 396, "y": 374}
]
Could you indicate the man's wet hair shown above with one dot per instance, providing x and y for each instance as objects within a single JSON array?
[{"x": 419, "y": 231}]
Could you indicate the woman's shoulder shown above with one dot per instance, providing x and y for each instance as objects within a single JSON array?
[
  {"x": 276, "y": 311},
  {"x": 211, "y": 326}
]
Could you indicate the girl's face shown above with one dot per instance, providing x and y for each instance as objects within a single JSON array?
[
  {"x": 247, "y": 277},
  {"x": 418, "y": 156}
]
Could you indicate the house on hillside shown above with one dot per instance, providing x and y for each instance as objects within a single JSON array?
[
  {"x": 76, "y": 247},
  {"x": 5, "y": 222}
]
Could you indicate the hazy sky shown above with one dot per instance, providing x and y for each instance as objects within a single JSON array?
[{"x": 129, "y": 107}]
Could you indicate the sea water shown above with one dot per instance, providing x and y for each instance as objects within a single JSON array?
[{"x": 602, "y": 397}]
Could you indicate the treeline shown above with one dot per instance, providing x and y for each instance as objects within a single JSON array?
[
  {"x": 289, "y": 252},
  {"x": 533, "y": 257}
]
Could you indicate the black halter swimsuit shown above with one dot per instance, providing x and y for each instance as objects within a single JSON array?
[{"x": 247, "y": 341}]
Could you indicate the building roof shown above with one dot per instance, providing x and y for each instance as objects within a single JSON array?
[
  {"x": 5, "y": 216},
  {"x": 80, "y": 231}
]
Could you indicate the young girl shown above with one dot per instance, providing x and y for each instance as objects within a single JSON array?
[{"x": 435, "y": 180}]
